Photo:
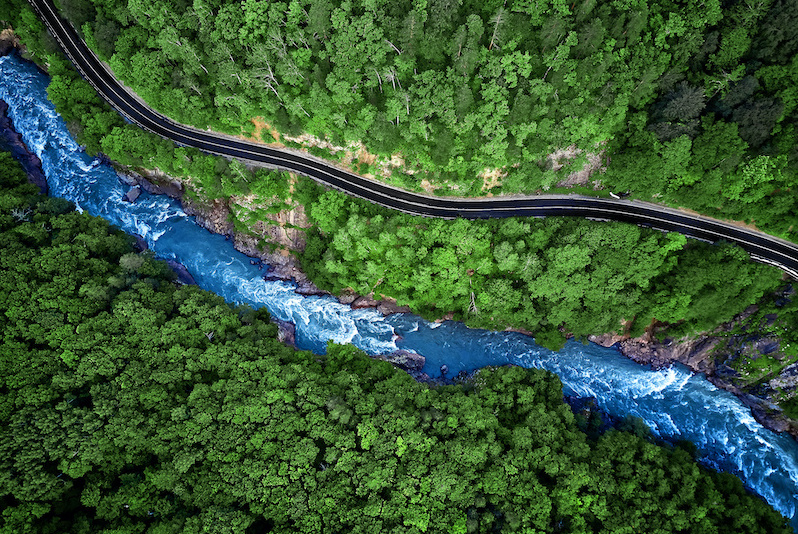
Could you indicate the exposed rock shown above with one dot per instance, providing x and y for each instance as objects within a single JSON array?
[
  {"x": 527, "y": 332},
  {"x": 767, "y": 414},
  {"x": 141, "y": 244},
  {"x": 285, "y": 271},
  {"x": 286, "y": 332},
  {"x": 363, "y": 302},
  {"x": 308, "y": 288},
  {"x": 283, "y": 232},
  {"x": 173, "y": 189},
  {"x": 8, "y": 42},
  {"x": 388, "y": 307},
  {"x": 787, "y": 379},
  {"x": 249, "y": 245},
  {"x": 348, "y": 297},
  {"x": 129, "y": 178},
  {"x": 183, "y": 276},
  {"x": 693, "y": 352},
  {"x": 214, "y": 217},
  {"x": 446, "y": 317},
  {"x": 132, "y": 195},
  {"x": 11, "y": 141},
  {"x": 605, "y": 340},
  {"x": 154, "y": 182},
  {"x": 5, "y": 47},
  {"x": 767, "y": 346},
  {"x": 409, "y": 361},
  {"x": 713, "y": 355}
]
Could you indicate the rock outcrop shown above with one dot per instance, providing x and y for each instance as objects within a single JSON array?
[
  {"x": 408, "y": 361},
  {"x": 132, "y": 195},
  {"x": 286, "y": 332},
  {"x": 712, "y": 354},
  {"x": 183, "y": 276},
  {"x": 8, "y": 42}
]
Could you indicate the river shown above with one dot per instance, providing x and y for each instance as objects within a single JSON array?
[{"x": 675, "y": 403}]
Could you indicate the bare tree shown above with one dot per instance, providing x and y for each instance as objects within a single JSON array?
[{"x": 497, "y": 21}]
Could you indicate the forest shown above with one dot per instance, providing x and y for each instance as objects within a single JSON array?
[
  {"x": 691, "y": 104},
  {"x": 554, "y": 278},
  {"x": 130, "y": 403}
]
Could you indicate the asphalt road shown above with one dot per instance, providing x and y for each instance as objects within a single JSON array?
[{"x": 760, "y": 246}]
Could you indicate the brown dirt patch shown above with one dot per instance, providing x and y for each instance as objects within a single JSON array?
[
  {"x": 491, "y": 178},
  {"x": 595, "y": 162},
  {"x": 263, "y": 128},
  {"x": 427, "y": 186},
  {"x": 354, "y": 154},
  {"x": 363, "y": 156}
]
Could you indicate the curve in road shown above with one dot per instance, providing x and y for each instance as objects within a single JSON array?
[{"x": 761, "y": 247}]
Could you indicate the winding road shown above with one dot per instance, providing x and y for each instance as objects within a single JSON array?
[{"x": 760, "y": 246}]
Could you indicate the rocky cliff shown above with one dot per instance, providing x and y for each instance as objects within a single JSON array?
[{"x": 717, "y": 355}]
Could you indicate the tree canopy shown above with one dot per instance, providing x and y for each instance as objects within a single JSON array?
[
  {"x": 460, "y": 89},
  {"x": 131, "y": 404},
  {"x": 552, "y": 276}
]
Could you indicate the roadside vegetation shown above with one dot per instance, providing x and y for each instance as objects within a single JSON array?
[
  {"x": 690, "y": 104},
  {"x": 130, "y": 404},
  {"x": 553, "y": 277}
]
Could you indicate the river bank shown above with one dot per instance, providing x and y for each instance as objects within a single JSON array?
[
  {"x": 280, "y": 263},
  {"x": 697, "y": 353},
  {"x": 11, "y": 141},
  {"x": 215, "y": 217},
  {"x": 709, "y": 354}
]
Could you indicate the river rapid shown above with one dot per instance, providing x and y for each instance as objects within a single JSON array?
[{"x": 675, "y": 403}]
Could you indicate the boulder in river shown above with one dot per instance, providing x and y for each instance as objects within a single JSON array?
[
  {"x": 407, "y": 361},
  {"x": 403, "y": 359},
  {"x": 132, "y": 194}
]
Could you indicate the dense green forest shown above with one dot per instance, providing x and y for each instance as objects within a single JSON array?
[
  {"x": 693, "y": 104},
  {"x": 131, "y": 404}
]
